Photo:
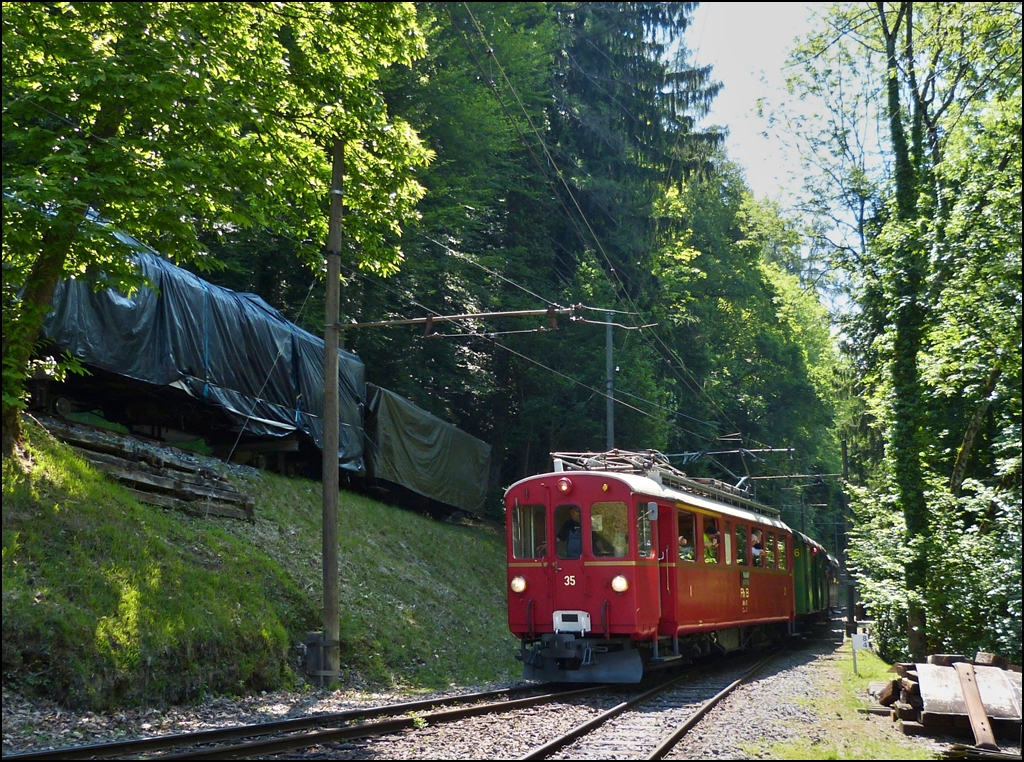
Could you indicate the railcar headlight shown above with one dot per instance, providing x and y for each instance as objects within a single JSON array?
[
  {"x": 620, "y": 584},
  {"x": 518, "y": 584},
  {"x": 564, "y": 485}
]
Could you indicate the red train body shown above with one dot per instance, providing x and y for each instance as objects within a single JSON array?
[{"x": 622, "y": 564}]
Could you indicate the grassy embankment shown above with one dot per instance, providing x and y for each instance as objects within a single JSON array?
[
  {"x": 108, "y": 601},
  {"x": 851, "y": 734}
]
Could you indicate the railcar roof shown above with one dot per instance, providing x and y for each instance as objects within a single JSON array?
[{"x": 647, "y": 486}]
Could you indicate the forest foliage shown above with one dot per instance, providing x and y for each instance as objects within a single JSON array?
[
  {"x": 509, "y": 156},
  {"x": 917, "y": 151}
]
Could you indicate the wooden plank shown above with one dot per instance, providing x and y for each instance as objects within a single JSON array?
[
  {"x": 906, "y": 711},
  {"x": 890, "y": 694},
  {"x": 910, "y": 686},
  {"x": 945, "y": 660},
  {"x": 983, "y": 736},
  {"x": 130, "y": 448},
  {"x": 991, "y": 660},
  {"x": 201, "y": 508},
  {"x": 141, "y": 475}
]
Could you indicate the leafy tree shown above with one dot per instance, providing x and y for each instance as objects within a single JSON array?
[
  {"x": 936, "y": 77},
  {"x": 166, "y": 118}
]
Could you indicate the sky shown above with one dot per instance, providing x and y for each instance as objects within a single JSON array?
[{"x": 747, "y": 44}]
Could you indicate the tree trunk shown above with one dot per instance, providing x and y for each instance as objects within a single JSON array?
[
  {"x": 42, "y": 279},
  {"x": 908, "y": 265}
]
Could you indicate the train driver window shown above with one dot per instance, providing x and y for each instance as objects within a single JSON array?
[
  {"x": 782, "y": 551},
  {"x": 769, "y": 550},
  {"x": 569, "y": 535},
  {"x": 712, "y": 549},
  {"x": 644, "y": 539},
  {"x": 687, "y": 542},
  {"x": 609, "y": 529},
  {"x": 529, "y": 531},
  {"x": 741, "y": 544}
]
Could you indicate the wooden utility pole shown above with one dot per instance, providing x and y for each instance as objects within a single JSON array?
[
  {"x": 332, "y": 627},
  {"x": 609, "y": 384}
]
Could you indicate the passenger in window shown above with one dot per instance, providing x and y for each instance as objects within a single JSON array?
[
  {"x": 757, "y": 547},
  {"x": 686, "y": 537},
  {"x": 711, "y": 544},
  {"x": 685, "y": 549}
]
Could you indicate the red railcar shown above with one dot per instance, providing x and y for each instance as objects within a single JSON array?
[{"x": 618, "y": 563}]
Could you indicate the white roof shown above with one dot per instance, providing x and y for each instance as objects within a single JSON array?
[{"x": 648, "y": 486}]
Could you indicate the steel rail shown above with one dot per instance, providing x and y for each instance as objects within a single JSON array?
[
  {"x": 673, "y": 738},
  {"x": 320, "y": 737},
  {"x": 555, "y": 744},
  {"x": 157, "y": 743}
]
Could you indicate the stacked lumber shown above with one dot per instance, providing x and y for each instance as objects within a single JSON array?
[
  {"x": 952, "y": 693},
  {"x": 153, "y": 472}
]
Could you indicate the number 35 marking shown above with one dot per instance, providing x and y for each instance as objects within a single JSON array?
[{"x": 570, "y": 580}]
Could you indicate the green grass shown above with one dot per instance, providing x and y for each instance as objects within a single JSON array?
[
  {"x": 110, "y": 602},
  {"x": 851, "y": 734}
]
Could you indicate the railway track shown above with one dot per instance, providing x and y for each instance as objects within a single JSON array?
[
  {"x": 246, "y": 741},
  {"x": 648, "y": 725},
  {"x": 645, "y": 725}
]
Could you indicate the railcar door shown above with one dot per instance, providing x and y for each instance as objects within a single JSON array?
[
  {"x": 569, "y": 581},
  {"x": 648, "y": 574}
]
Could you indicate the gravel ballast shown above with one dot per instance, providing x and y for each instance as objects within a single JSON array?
[{"x": 781, "y": 703}]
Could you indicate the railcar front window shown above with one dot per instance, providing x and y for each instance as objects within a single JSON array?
[
  {"x": 741, "y": 544},
  {"x": 644, "y": 540},
  {"x": 569, "y": 534},
  {"x": 769, "y": 551},
  {"x": 529, "y": 531},
  {"x": 782, "y": 551},
  {"x": 609, "y": 529}
]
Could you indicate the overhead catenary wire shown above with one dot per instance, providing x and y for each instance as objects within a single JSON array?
[
  {"x": 695, "y": 386},
  {"x": 533, "y": 361}
]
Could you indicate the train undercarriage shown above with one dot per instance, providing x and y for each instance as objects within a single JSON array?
[{"x": 572, "y": 658}]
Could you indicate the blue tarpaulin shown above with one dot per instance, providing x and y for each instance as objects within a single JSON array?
[{"x": 230, "y": 350}]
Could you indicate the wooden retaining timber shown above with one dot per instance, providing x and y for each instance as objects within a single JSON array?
[
  {"x": 153, "y": 472},
  {"x": 951, "y": 693}
]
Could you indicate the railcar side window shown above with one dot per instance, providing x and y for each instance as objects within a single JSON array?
[
  {"x": 644, "y": 541},
  {"x": 769, "y": 551},
  {"x": 609, "y": 529},
  {"x": 757, "y": 546},
  {"x": 529, "y": 531},
  {"x": 686, "y": 538},
  {"x": 741, "y": 544},
  {"x": 782, "y": 551},
  {"x": 569, "y": 535},
  {"x": 712, "y": 552}
]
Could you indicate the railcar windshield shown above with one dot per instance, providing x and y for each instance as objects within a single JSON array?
[
  {"x": 782, "y": 551},
  {"x": 529, "y": 531},
  {"x": 569, "y": 535},
  {"x": 609, "y": 529}
]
